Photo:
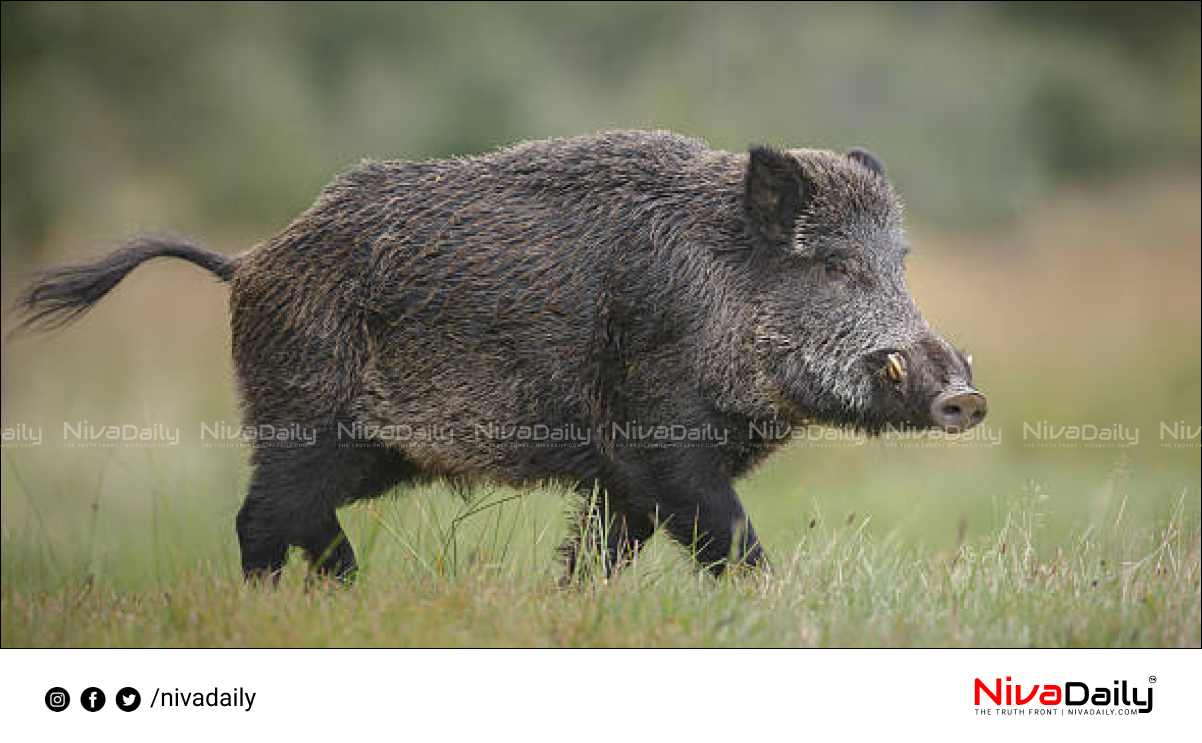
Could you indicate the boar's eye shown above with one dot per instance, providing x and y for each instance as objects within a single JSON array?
[{"x": 836, "y": 267}]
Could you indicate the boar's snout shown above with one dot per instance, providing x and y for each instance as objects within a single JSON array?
[
  {"x": 927, "y": 384},
  {"x": 958, "y": 409}
]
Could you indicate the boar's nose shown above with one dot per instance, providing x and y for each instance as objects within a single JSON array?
[{"x": 958, "y": 410}]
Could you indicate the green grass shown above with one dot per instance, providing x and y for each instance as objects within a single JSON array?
[{"x": 440, "y": 570}]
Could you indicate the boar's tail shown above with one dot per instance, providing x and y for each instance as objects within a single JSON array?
[{"x": 65, "y": 293}]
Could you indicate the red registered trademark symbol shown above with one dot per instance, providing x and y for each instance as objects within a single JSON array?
[{"x": 1151, "y": 679}]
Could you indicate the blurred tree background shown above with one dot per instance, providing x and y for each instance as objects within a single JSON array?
[{"x": 191, "y": 115}]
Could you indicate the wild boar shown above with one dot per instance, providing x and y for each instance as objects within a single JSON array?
[{"x": 662, "y": 306}]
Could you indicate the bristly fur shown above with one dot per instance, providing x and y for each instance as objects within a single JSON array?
[{"x": 604, "y": 285}]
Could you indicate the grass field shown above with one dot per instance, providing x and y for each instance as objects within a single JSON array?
[{"x": 1086, "y": 314}]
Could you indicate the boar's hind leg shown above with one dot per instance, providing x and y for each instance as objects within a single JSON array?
[
  {"x": 626, "y": 530},
  {"x": 293, "y": 495}
]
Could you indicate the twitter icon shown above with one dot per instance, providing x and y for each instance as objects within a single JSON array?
[{"x": 128, "y": 699}]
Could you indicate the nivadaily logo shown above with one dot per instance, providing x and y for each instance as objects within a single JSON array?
[{"x": 1064, "y": 698}]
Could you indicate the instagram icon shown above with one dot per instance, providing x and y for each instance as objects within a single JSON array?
[{"x": 57, "y": 699}]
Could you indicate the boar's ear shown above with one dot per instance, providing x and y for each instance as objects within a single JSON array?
[
  {"x": 868, "y": 160},
  {"x": 774, "y": 191}
]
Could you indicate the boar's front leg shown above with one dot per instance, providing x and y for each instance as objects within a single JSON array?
[
  {"x": 604, "y": 513},
  {"x": 700, "y": 510}
]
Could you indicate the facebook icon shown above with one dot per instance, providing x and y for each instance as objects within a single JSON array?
[{"x": 92, "y": 699}]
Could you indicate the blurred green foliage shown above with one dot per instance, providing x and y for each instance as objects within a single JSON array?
[{"x": 118, "y": 116}]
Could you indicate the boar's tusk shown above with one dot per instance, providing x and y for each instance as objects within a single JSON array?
[{"x": 895, "y": 367}]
